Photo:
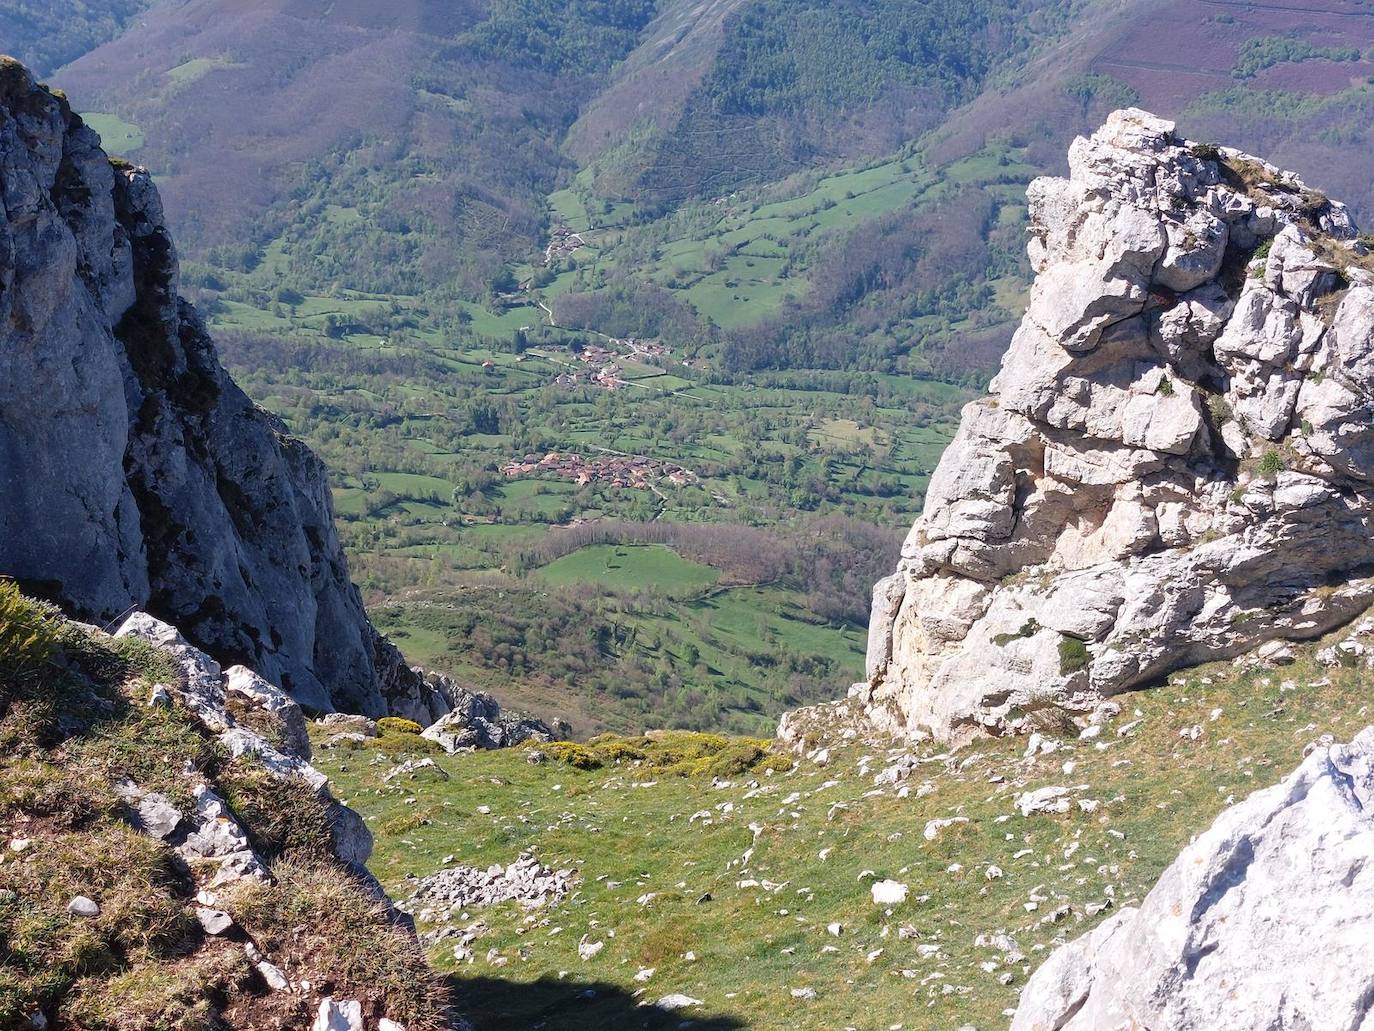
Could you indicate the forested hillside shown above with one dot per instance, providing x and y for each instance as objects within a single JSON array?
[{"x": 46, "y": 36}]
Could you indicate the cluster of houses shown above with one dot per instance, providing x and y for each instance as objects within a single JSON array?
[
  {"x": 607, "y": 376},
  {"x": 563, "y": 243},
  {"x": 632, "y": 471},
  {"x": 602, "y": 366}
]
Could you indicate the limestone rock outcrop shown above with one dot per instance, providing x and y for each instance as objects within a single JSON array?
[
  {"x": 477, "y": 721},
  {"x": 206, "y": 692},
  {"x": 134, "y": 474},
  {"x": 1175, "y": 463},
  {"x": 1264, "y": 921}
]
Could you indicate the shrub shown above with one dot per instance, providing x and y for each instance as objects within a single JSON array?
[
  {"x": 397, "y": 725},
  {"x": 29, "y": 634},
  {"x": 612, "y": 749},
  {"x": 735, "y": 759},
  {"x": 1028, "y": 629},
  {"x": 1206, "y": 151},
  {"x": 284, "y": 815},
  {"x": 570, "y": 753},
  {"x": 1073, "y": 655},
  {"x": 777, "y": 762},
  {"x": 1220, "y": 409},
  {"x": 1272, "y": 462}
]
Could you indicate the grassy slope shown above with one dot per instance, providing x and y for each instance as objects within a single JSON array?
[
  {"x": 635, "y": 832},
  {"x": 763, "y": 245},
  {"x": 72, "y": 723}
]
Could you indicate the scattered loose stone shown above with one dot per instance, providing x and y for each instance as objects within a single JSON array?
[
  {"x": 934, "y": 827},
  {"x": 214, "y": 921},
  {"x": 889, "y": 893},
  {"x": 456, "y": 888},
  {"x": 676, "y": 1001},
  {"x": 412, "y": 768},
  {"x": 272, "y": 974},
  {"x": 1052, "y": 799},
  {"x": 338, "y": 1016},
  {"x": 588, "y": 949},
  {"x": 83, "y": 906}
]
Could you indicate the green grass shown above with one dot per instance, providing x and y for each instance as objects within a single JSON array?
[
  {"x": 644, "y": 861},
  {"x": 630, "y": 567},
  {"x": 116, "y": 135},
  {"x": 197, "y": 68},
  {"x": 846, "y": 434}
]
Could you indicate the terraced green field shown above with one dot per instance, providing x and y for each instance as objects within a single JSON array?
[
  {"x": 630, "y": 567},
  {"x": 116, "y": 135},
  {"x": 737, "y": 260}
]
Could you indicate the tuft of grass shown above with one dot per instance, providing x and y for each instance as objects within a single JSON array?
[
  {"x": 29, "y": 636},
  {"x": 286, "y": 816},
  {"x": 129, "y": 875},
  {"x": 1028, "y": 629},
  {"x": 1272, "y": 462},
  {"x": 169, "y": 997},
  {"x": 1073, "y": 655},
  {"x": 1220, "y": 409},
  {"x": 316, "y": 909}
]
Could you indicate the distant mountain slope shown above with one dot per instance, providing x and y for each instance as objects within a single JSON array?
[
  {"x": 279, "y": 120},
  {"x": 1286, "y": 78},
  {"x": 730, "y": 94},
  {"x": 444, "y": 126},
  {"x": 46, "y": 36}
]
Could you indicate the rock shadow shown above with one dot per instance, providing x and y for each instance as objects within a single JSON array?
[{"x": 493, "y": 1004}]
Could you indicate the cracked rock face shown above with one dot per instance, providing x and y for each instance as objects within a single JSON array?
[
  {"x": 1226, "y": 938},
  {"x": 133, "y": 472},
  {"x": 1175, "y": 462}
]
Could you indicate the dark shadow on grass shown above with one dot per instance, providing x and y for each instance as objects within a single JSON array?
[{"x": 492, "y": 1004}]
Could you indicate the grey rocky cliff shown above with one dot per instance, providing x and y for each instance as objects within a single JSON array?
[
  {"x": 133, "y": 472},
  {"x": 1263, "y": 921},
  {"x": 1175, "y": 462}
]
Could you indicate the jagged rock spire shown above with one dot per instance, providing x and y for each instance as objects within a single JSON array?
[{"x": 1175, "y": 461}]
